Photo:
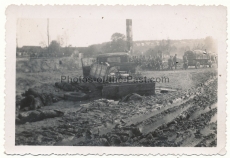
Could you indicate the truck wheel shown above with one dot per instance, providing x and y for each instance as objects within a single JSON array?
[
  {"x": 75, "y": 96},
  {"x": 197, "y": 65}
]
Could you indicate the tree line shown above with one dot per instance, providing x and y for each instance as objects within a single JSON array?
[{"x": 118, "y": 43}]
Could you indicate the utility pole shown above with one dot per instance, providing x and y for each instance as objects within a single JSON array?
[
  {"x": 17, "y": 37},
  {"x": 48, "y": 35},
  {"x": 17, "y": 42}
]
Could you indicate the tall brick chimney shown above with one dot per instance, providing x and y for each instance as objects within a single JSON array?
[{"x": 129, "y": 35}]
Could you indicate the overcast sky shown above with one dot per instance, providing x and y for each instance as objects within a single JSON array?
[{"x": 153, "y": 24}]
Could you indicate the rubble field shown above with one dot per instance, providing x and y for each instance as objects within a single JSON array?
[{"x": 184, "y": 117}]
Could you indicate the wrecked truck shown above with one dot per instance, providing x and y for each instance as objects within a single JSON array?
[
  {"x": 115, "y": 62},
  {"x": 116, "y": 75}
]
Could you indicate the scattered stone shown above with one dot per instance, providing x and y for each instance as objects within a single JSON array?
[{"x": 104, "y": 142}]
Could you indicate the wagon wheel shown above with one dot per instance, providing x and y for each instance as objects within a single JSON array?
[{"x": 197, "y": 65}]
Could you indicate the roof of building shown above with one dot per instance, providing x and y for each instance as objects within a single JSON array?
[
  {"x": 113, "y": 54},
  {"x": 31, "y": 47}
]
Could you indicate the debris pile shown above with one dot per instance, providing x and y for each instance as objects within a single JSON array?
[{"x": 176, "y": 118}]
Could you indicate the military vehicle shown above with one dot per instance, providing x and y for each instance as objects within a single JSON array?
[
  {"x": 198, "y": 58},
  {"x": 108, "y": 63},
  {"x": 115, "y": 74}
]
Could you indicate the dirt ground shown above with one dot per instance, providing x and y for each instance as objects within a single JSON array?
[{"x": 186, "y": 117}]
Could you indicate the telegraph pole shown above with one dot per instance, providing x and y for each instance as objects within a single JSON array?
[
  {"x": 17, "y": 37},
  {"x": 17, "y": 42},
  {"x": 48, "y": 35}
]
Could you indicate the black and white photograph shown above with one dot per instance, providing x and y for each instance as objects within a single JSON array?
[{"x": 145, "y": 79}]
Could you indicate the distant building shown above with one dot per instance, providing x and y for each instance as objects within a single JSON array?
[
  {"x": 34, "y": 49},
  {"x": 26, "y": 51}
]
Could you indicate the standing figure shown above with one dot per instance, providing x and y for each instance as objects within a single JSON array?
[
  {"x": 185, "y": 60},
  {"x": 170, "y": 63},
  {"x": 158, "y": 63},
  {"x": 175, "y": 61}
]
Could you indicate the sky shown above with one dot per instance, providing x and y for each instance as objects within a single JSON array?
[{"x": 151, "y": 24}]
